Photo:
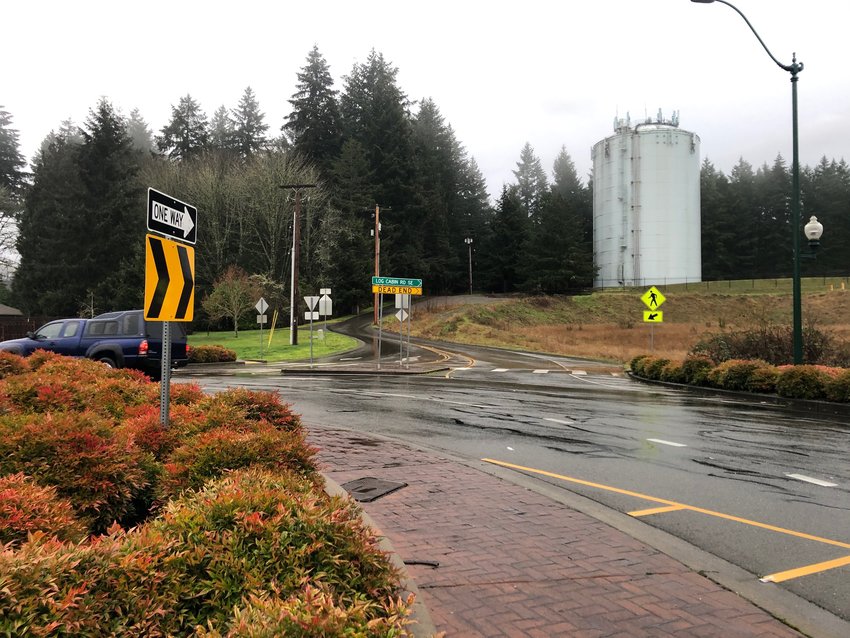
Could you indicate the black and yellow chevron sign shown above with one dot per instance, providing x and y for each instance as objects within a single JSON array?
[{"x": 169, "y": 280}]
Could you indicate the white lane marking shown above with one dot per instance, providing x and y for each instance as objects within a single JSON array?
[
  {"x": 671, "y": 443},
  {"x": 579, "y": 373},
  {"x": 499, "y": 370},
  {"x": 541, "y": 372},
  {"x": 561, "y": 421},
  {"x": 809, "y": 479},
  {"x": 350, "y": 358}
]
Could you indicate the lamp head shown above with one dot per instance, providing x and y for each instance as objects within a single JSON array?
[
  {"x": 813, "y": 231},
  {"x": 703, "y": 1}
]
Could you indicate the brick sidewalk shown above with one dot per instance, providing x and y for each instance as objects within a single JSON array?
[{"x": 515, "y": 563}]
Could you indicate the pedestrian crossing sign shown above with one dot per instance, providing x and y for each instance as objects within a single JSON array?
[{"x": 653, "y": 298}]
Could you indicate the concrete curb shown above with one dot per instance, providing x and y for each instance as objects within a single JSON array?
[
  {"x": 361, "y": 371},
  {"x": 422, "y": 626}
]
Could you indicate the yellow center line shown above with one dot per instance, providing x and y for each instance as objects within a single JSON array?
[{"x": 674, "y": 504}]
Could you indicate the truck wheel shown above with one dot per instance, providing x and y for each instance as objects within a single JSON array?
[{"x": 108, "y": 361}]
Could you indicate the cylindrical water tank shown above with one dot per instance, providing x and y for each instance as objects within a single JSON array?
[{"x": 646, "y": 206}]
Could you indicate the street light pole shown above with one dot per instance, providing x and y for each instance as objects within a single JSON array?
[
  {"x": 794, "y": 69},
  {"x": 468, "y": 242}
]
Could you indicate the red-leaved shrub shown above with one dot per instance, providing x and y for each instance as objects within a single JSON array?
[
  {"x": 27, "y": 507},
  {"x": 209, "y": 454},
  {"x": 87, "y": 460},
  {"x": 258, "y": 406},
  {"x": 838, "y": 387}
]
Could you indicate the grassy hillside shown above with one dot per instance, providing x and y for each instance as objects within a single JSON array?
[{"x": 609, "y": 325}]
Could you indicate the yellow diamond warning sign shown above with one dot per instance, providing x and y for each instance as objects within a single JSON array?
[{"x": 653, "y": 298}]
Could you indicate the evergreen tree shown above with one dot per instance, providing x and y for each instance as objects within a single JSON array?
[
  {"x": 249, "y": 127},
  {"x": 437, "y": 170},
  {"x": 47, "y": 281},
  {"x": 110, "y": 244},
  {"x": 139, "y": 132},
  {"x": 79, "y": 230},
  {"x": 345, "y": 252},
  {"x": 566, "y": 182},
  {"x": 11, "y": 189},
  {"x": 719, "y": 230},
  {"x": 531, "y": 180},
  {"x": 743, "y": 209},
  {"x": 474, "y": 216},
  {"x": 375, "y": 113},
  {"x": 773, "y": 247},
  {"x": 314, "y": 126},
  {"x": 187, "y": 134},
  {"x": 222, "y": 134},
  {"x": 11, "y": 161},
  {"x": 559, "y": 255},
  {"x": 503, "y": 256}
]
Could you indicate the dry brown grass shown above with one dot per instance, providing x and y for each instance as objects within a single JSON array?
[{"x": 609, "y": 326}]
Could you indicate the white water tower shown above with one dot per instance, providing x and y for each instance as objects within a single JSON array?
[{"x": 646, "y": 206}]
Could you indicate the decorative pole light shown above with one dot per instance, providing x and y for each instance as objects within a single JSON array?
[
  {"x": 794, "y": 69},
  {"x": 813, "y": 231}
]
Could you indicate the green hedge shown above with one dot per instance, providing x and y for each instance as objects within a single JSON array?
[
  {"x": 211, "y": 354},
  {"x": 793, "y": 382}
]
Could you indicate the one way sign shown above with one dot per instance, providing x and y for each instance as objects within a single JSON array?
[
  {"x": 169, "y": 216},
  {"x": 169, "y": 280}
]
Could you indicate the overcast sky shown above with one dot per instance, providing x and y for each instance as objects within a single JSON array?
[{"x": 502, "y": 73}]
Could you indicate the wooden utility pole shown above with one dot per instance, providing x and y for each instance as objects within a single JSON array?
[
  {"x": 296, "y": 258},
  {"x": 378, "y": 252}
]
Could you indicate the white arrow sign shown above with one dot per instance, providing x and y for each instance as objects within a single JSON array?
[{"x": 180, "y": 220}]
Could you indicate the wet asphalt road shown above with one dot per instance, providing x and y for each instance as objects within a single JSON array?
[{"x": 621, "y": 443}]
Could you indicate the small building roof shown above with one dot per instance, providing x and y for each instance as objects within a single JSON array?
[{"x": 8, "y": 311}]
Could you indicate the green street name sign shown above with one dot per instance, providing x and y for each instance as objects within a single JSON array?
[{"x": 396, "y": 281}]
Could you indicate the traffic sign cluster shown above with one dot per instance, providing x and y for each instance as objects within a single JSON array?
[
  {"x": 169, "y": 264},
  {"x": 653, "y": 299}
]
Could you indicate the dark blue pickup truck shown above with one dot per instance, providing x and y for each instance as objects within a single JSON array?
[{"x": 118, "y": 339}]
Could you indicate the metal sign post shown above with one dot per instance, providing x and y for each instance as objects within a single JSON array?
[
  {"x": 402, "y": 302},
  {"x": 165, "y": 374},
  {"x": 380, "y": 325},
  {"x": 261, "y": 306},
  {"x": 310, "y": 315}
]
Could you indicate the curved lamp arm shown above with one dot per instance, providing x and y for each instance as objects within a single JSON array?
[{"x": 794, "y": 68}]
